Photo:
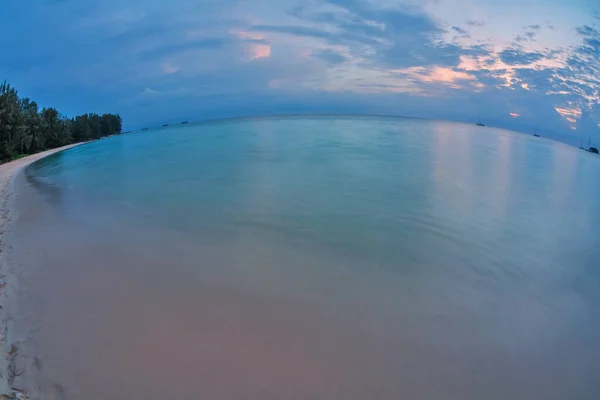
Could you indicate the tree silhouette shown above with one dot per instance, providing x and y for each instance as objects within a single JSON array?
[{"x": 26, "y": 130}]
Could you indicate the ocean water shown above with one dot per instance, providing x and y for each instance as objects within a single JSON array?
[{"x": 311, "y": 258}]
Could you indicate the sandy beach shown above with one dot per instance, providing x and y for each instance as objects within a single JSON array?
[{"x": 10, "y": 347}]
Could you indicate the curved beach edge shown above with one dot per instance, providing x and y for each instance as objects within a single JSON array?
[{"x": 8, "y": 172}]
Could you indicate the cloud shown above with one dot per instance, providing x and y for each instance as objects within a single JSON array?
[
  {"x": 540, "y": 79},
  {"x": 166, "y": 50},
  {"x": 302, "y": 31},
  {"x": 400, "y": 37},
  {"x": 259, "y": 50},
  {"x": 403, "y": 54},
  {"x": 365, "y": 23},
  {"x": 459, "y": 30},
  {"x": 518, "y": 57},
  {"x": 242, "y": 57},
  {"x": 149, "y": 92},
  {"x": 525, "y": 37},
  {"x": 401, "y": 19},
  {"x": 581, "y": 75},
  {"x": 475, "y": 23},
  {"x": 461, "y": 33},
  {"x": 446, "y": 76},
  {"x": 569, "y": 112},
  {"x": 329, "y": 56},
  {"x": 587, "y": 31},
  {"x": 169, "y": 69}
]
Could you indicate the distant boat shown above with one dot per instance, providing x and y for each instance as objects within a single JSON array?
[
  {"x": 480, "y": 123},
  {"x": 165, "y": 125},
  {"x": 590, "y": 148},
  {"x": 184, "y": 122},
  {"x": 536, "y": 135}
]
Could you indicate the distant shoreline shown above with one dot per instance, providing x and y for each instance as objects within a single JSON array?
[{"x": 8, "y": 172}]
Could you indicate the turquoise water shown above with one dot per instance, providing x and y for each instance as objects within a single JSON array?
[
  {"x": 367, "y": 183},
  {"x": 440, "y": 260}
]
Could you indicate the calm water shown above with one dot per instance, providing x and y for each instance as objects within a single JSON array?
[{"x": 312, "y": 258}]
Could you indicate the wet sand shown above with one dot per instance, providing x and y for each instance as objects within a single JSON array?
[{"x": 8, "y": 172}]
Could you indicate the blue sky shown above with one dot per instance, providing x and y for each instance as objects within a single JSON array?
[{"x": 523, "y": 65}]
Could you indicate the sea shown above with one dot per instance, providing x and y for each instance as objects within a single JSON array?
[{"x": 310, "y": 257}]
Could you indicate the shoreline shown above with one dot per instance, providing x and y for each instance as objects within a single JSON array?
[{"x": 8, "y": 172}]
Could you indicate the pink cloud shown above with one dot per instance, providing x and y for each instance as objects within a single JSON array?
[
  {"x": 247, "y": 35},
  {"x": 256, "y": 51},
  {"x": 570, "y": 115},
  {"x": 169, "y": 69},
  {"x": 568, "y": 112},
  {"x": 446, "y": 76}
]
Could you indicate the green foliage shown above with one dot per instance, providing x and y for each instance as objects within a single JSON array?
[{"x": 24, "y": 129}]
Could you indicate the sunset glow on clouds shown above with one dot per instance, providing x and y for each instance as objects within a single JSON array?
[
  {"x": 259, "y": 51},
  {"x": 519, "y": 65}
]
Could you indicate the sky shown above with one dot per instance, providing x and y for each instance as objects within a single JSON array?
[{"x": 526, "y": 65}]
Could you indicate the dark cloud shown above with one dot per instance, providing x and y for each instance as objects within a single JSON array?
[
  {"x": 402, "y": 37},
  {"x": 331, "y": 37},
  {"x": 475, "y": 23},
  {"x": 402, "y": 55},
  {"x": 362, "y": 18},
  {"x": 526, "y": 37},
  {"x": 459, "y": 30},
  {"x": 586, "y": 30},
  {"x": 478, "y": 50},
  {"x": 589, "y": 51},
  {"x": 488, "y": 77},
  {"x": 380, "y": 85},
  {"x": 171, "y": 49},
  {"x": 577, "y": 84},
  {"x": 329, "y": 56},
  {"x": 594, "y": 45},
  {"x": 518, "y": 57},
  {"x": 537, "y": 78},
  {"x": 536, "y": 27}
]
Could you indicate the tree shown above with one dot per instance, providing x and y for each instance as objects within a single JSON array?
[
  {"x": 32, "y": 139},
  {"x": 26, "y": 130},
  {"x": 80, "y": 129},
  {"x": 11, "y": 121},
  {"x": 52, "y": 128}
]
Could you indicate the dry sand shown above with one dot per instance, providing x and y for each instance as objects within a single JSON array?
[{"x": 8, "y": 369}]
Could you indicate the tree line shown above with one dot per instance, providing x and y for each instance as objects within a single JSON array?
[{"x": 25, "y": 129}]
